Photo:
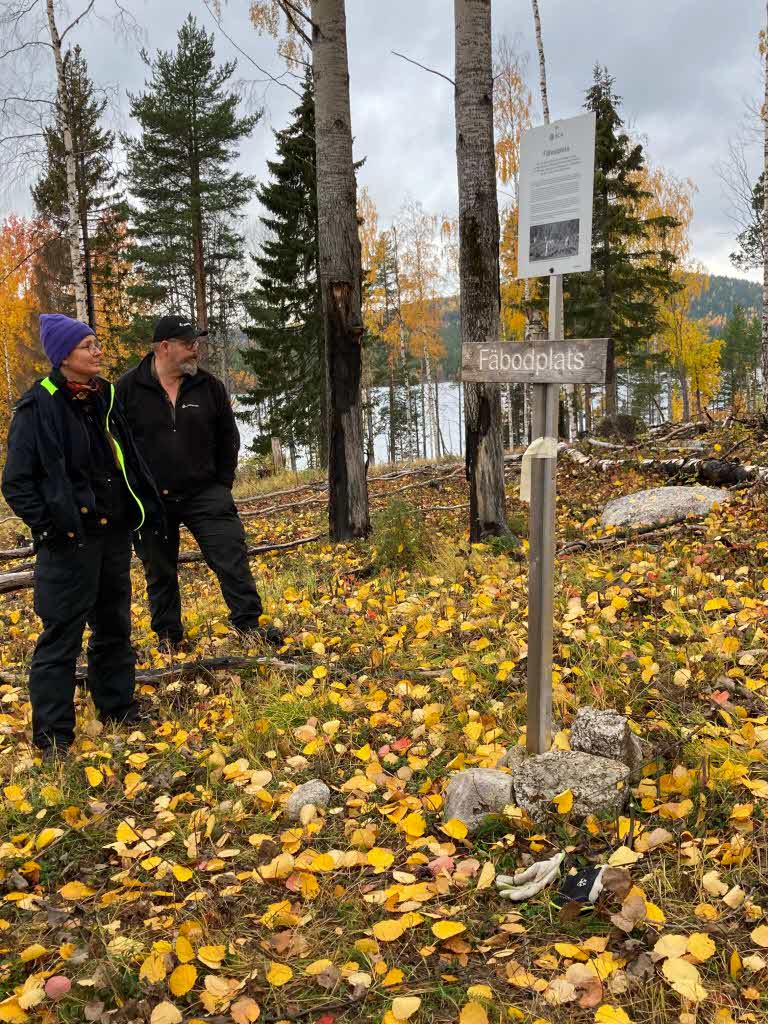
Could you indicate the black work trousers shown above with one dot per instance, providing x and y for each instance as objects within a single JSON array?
[
  {"x": 75, "y": 585},
  {"x": 211, "y": 517}
]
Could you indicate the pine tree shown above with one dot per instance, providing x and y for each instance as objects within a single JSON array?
[
  {"x": 179, "y": 171},
  {"x": 631, "y": 267},
  {"x": 94, "y": 177},
  {"x": 285, "y": 307},
  {"x": 739, "y": 358}
]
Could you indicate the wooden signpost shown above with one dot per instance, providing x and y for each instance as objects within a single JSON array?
[
  {"x": 546, "y": 365},
  {"x": 556, "y": 182}
]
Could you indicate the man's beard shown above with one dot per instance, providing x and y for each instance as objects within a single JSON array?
[{"x": 189, "y": 367}]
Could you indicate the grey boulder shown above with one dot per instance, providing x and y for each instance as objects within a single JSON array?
[
  {"x": 662, "y": 504},
  {"x": 598, "y": 784},
  {"x": 473, "y": 794},
  {"x": 313, "y": 792},
  {"x": 607, "y": 734}
]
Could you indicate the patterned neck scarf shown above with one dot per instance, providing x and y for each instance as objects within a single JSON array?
[{"x": 82, "y": 392}]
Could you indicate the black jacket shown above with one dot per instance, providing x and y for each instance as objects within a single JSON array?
[
  {"x": 187, "y": 447},
  {"x": 54, "y": 475}
]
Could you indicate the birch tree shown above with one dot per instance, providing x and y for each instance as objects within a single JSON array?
[
  {"x": 73, "y": 205},
  {"x": 570, "y": 389},
  {"x": 479, "y": 259},
  {"x": 27, "y": 32},
  {"x": 321, "y": 25}
]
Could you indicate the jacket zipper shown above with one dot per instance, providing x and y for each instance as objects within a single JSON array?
[{"x": 121, "y": 459}]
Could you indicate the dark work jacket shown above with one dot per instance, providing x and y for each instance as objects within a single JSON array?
[
  {"x": 190, "y": 446},
  {"x": 62, "y": 479}
]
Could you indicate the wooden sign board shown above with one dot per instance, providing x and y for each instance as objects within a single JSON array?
[{"x": 573, "y": 361}]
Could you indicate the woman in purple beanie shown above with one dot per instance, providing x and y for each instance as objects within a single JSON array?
[{"x": 74, "y": 476}]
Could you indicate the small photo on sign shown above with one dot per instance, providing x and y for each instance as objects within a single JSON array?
[{"x": 555, "y": 240}]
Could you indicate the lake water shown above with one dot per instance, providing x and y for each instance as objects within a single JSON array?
[{"x": 451, "y": 425}]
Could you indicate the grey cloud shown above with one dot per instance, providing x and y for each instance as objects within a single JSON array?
[{"x": 684, "y": 69}]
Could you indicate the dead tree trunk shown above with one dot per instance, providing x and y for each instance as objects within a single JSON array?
[
  {"x": 479, "y": 260},
  {"x": 340, "y": 271}
]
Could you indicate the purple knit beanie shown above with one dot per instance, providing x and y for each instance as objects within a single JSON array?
[{"x": 59, "y": 334}]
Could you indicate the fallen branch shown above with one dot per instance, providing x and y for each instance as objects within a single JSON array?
[
  {"x": 185, "y": 669},
  {"x": 627, "y": 536},
  {"x": 12, "y": 581}
]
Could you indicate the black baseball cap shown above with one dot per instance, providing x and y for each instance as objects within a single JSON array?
[{"x": 168, "y": 327}]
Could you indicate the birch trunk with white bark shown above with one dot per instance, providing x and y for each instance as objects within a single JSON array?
[
  {"x": 570, "y": 389},
  {"x": 479, "y": 260},
  {"x": 73, "y": 204},
  {"x": 542, "y": 64},
  {"x": 340, "y": 271}
]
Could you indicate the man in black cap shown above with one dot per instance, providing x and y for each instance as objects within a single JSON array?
[{"x": 183, "y": 423}]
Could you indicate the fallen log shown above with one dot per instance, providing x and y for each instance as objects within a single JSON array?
[
  {"x": 710, "y": 471},
  {"x": 12, "y": 581}
]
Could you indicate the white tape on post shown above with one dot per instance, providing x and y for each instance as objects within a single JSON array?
[{"x": 541, "y": 448}]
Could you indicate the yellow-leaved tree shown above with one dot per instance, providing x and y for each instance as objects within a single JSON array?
[
  {"x": 20, "y": 356},
  {"x": 693, "y": 356}
]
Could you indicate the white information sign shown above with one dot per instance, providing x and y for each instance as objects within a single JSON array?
[{"x": 557, "y": 169}]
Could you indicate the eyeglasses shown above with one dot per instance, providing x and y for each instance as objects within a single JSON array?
[
  {"x": 188, "y": 343},
  {"x": 93, "y": 347}
]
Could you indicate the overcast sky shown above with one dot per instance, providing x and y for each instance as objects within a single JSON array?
[{"x": 686, "y": 69}]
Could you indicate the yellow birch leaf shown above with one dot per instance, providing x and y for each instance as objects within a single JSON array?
[
  {"x": 211, "y": 956},
  {"x": 317, "y": 967},
  {"x": 684, "y": 979},
  {"x": 389, "y": 930},
  {"x": 414, "y": 824},
  {"x": 480, "y": 992},
  {"x": 473, "y": 1013},
  {"x": 380, "y": 859},
  {"x": 455, "y": 829},
  {"x": 393, "y": 977},
  {"x": 76, "y": 891},
  {"x": 11, "y": 1012},
  {"x": 279, "y": 974},
  {"x": 701, "y": 946},
  {"x": 670, "y": 946},
  {"x": 182, "y": 979},
  {"x": 611, "y": 1015},
  {"x": 94, "y": 776},
  {"x": 32, "y": 952},
  {"x": 573, "y": 952},
  {"x": 487, "y": 875},
  {"x": 165, "y": 1013},
  {"x": 760, "y": 936},
  {"x": 447, "y": 929},
  {"x": 404, "y": 1007},
  {"x": 153, "y": 969},
  {"x": 184, "y": 950},
  {"x": 563, "y": 801},
  {"x": 245, "y": 1010},
  {"x": 181, "y": 873},
  {"x": 126, "y": 834},
  {"x": 47, "y": 836}
]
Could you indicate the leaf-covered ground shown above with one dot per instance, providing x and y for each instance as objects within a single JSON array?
[{"x": 154, "y": 875}]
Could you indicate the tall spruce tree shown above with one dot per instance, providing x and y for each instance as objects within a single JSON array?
[
  {"x": 285, "y": 306},
  {"x": 180, "y": 172},
  {"x": 94, "y": 177},
  {"x": 631, "y": 267}
]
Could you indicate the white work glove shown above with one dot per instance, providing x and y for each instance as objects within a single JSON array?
[{"x": 524, "y": 884}]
